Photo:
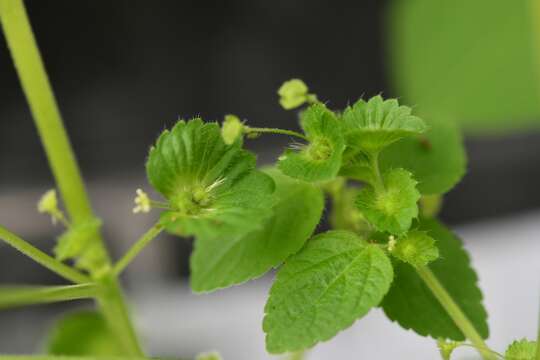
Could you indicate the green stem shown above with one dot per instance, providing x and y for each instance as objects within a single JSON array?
[
  {"x": 42, "y": 258},
  {"x": 275, "y": 131},
  {"x": 113, "y": 306},
  {"x": 39, "y": 94},
  {"x": 454, "y": 311},
  {"x": 44, "y": 108},
  {"x": 137, "y": 248},
  {"x": 29, "y": 295}
]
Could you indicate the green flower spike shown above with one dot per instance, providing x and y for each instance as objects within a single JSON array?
[
  {"x": 211, "y": 188},
  {"x": 319, "y": 160},
  {"x": 375, "y": 124}
]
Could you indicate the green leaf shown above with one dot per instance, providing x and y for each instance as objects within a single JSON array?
[
  {"x": 393, "y": 208},
  {"x": 83, "y": 333},
  {"x": 437, "y": 158},
  {"x": 480, "y": 70},
  {"x": 211, "y": 187},
  {"x": 320, "y": 159},
  {"x": 78, "y": 243},
  {"x": 416, "y": 248},
  {"x": 375, "y": 124},
  {"x": 413, "y": 306},
  {"x": 336, "y": 279},
  {"x": 221, "y": 261},
  {"x": 521, "y": 350}
]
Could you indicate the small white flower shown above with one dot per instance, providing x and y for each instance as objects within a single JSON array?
[{"x": 142, "y": 202}]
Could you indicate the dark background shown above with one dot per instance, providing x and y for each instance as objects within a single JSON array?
[{"x": 125, "y": 70}]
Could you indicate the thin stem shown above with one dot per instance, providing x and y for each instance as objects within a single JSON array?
[
  {"x": 275, "y": 131},
  {"x": 42, "y": 258},
  {"x": 378, "y": 180},
  {"x": 137, "y": 248},
  {"x": 454, "y": 311},
  {"x": 39, "y": 94},
  {"x": 30, "y": 295}
]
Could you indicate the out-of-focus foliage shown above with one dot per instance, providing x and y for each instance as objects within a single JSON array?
[{"x": 472, "y": 60}]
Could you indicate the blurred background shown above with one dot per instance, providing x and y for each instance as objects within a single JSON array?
[{"x": 125, "y": 70}]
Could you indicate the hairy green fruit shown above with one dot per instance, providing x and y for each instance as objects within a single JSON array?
[
  {"x": 392, "y": 208},
  {"x": 416, "y": 248},
  {"x": 319, "y": 160}
]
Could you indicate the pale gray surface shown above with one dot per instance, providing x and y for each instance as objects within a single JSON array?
[{"x": 505, "y": 252}]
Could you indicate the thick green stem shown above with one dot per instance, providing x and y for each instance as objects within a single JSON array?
[
  {"x": 38, "y": 91},
  {"x": 274, "y": 131},
  {"x": 113, "y": 306},
  {"x": 137, "y": 248},
  {"x": 39, "y": 94},
  {"x": 454, "y": 311},
  {"x": 42, "y": 258},
  {"x": 28, "y": 295}
]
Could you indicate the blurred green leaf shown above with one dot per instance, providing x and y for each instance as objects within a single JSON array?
[
  {"x": 437, "y": 158},
  {"x": 83, "y": 333},
  {"x": 472, "y": 60}
]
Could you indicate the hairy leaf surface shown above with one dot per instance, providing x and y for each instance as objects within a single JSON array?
[
  {"x": 377, "y": 123},
  {"x": 411, "y": 303},
  {"x": 521, "y": 350},
  {"x": 211, "y": 187},
  {"x": 416, "y": 248},
  {"x": 333, "y": 281},
  {"x": 320, "y": 159},
  {"x": 393, "y": 208},
  {"x": 221, "y": 261}
]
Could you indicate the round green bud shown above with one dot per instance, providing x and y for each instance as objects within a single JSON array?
[{"x": 231, "y": 129}]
